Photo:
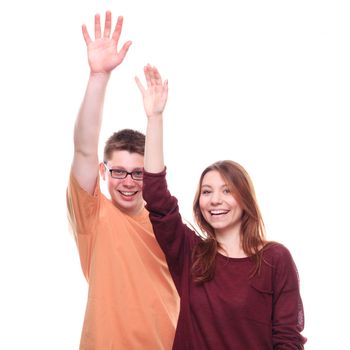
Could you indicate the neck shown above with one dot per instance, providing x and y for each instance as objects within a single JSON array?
[
  {"x": 230, "y": 244},
  {"x": 134, "y": 212}
]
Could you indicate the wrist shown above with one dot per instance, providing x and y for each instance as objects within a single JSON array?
[
  {"x": 155, "y": 116},
  {"x": 102, "y": 76},
  {"x": 155, "y": 121}
]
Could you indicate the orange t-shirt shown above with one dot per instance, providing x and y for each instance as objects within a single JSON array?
[{"x": 132, "y": 302}]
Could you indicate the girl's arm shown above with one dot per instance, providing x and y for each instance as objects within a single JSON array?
[
  {"x": 288, "y": 313},
  {"x": 154, "y": 101},
  {"x": 173, "y": 236}
]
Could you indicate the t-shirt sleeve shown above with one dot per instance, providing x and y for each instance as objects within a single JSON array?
[
  {"x": 171, "y": 233},
  {"x": 288, "y": 313},
  {"x": 83, "y": 208}
]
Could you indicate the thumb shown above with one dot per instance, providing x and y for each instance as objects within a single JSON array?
[{"x": 140, "y": 86}]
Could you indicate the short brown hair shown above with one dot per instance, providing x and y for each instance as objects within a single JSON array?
[{"x": 125, "y": 140}]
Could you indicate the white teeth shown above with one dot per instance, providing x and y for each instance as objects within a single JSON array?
[
  {"x": 124, "y": 193},
  {"x": 218, "y": 212}
]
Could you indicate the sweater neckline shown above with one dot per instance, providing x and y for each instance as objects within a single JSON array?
[{"x": 228, "y": 258}]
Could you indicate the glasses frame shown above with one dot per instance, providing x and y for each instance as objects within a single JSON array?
[{"x": 126, "y": 173}]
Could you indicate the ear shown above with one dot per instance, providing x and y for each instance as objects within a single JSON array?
[{"x": 103, "y": 171}]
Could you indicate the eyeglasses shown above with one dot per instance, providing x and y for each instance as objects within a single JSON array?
[{"x": 122, "y": 174}]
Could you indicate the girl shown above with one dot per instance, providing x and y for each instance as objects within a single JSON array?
[{"x": 237, "y": 290}]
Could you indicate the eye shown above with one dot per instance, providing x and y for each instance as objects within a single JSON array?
[
  {"x": 137, "y": 175},
  {"x": 204, "y": 192},
  {"x": 227, "y": 191},
  {"x": 118, "y": 171}
]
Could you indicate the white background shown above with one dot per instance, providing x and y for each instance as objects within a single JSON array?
[{"x": 265, "y": 83}]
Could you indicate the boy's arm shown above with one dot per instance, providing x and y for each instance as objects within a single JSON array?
[{"x": 103, "y": 57}]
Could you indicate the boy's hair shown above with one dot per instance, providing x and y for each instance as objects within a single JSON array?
[{"x": 125, "y": 140}]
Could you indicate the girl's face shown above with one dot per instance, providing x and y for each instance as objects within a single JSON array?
[{"x": 218, "y": 206}]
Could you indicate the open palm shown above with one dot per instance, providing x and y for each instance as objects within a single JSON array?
[
  {"x": 103, "y": 52},
  {"x": 156, "y": 94}
]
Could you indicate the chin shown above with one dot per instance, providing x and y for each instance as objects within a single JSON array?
[
  {"x": 130, "y": 207},
  {"x": 219, "y": 226}
]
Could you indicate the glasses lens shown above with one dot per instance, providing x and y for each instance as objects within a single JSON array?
[
  {"x": 137, "y": 175},
  {"x": 118, "y": 173}
]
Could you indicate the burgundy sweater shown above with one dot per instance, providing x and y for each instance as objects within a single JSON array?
[{"x": 232, "y": 311}]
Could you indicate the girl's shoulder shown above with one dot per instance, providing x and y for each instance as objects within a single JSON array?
[{"x": 275, "y": 251}]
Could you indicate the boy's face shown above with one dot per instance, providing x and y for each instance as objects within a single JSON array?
[{"x": 126, "y": 194}]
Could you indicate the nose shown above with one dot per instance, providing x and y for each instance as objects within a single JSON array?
[
  {"x": 216, "y": 198},
  {"x": 128, "y": 180}
]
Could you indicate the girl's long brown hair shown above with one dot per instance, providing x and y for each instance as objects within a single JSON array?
[{"x": 252, "y": 226}]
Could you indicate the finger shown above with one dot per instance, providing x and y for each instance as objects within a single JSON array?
[
  {"x": 148, "y": 75},
  {"x": 86, "y": 34},
  {"x": 153, "y": 76},
  {"x": 118, "y": 29},
  {"x": 140, "y": 86},
  {"x": 165, "y": 89},
  {"x": 97, "y": 27},
  {"x": 108, "y": 25},
  {"x": 124, "y": 49},
  {"x": 157, "y": 77}
]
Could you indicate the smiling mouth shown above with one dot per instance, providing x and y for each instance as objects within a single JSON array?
[
  {"x": 218, "y": 212},
  {"x": 128, "y": 193}
]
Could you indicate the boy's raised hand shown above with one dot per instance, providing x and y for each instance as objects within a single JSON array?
[{"x": 103, "y": 53}]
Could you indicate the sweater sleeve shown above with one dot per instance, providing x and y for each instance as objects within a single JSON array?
[
  {"x": 288, "y": 313},
  {"x": 171, "y": 233}
]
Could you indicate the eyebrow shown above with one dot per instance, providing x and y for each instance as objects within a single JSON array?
[
  {"x": 118, "y": 167},
  {"x": 205, "y": 185}
]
